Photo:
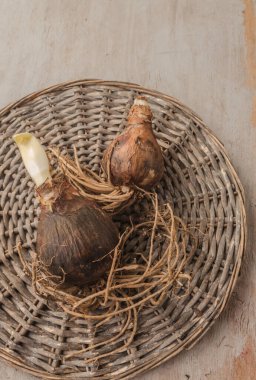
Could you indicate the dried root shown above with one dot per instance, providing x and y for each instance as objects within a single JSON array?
[
  {"x": 136, "y": 279},
  {"x": 148, "y": 263},
  {"x": 90, "y": 185}
]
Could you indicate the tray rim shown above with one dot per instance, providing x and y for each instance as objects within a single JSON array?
[{"x": 19, "y": 364}]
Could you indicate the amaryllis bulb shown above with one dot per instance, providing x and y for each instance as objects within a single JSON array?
[
  {"x": 134, "y": 157},
  {"x": 75, "y": 238},
  {"x": 34, "y": 157}
]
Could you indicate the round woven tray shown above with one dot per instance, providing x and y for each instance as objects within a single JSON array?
[{"x": 199, "y": 181}]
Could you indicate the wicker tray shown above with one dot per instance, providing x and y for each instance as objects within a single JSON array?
[{"x": 205, "y": 192}]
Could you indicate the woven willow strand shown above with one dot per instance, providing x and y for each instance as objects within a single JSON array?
[{"x": 199, "y": 182}]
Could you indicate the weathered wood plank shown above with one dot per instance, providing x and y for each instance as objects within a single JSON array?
[{"x": 201, "y": 51}]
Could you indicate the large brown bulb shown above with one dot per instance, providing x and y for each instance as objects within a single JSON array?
[
  {"x": 74, "y": 237},
  {"x": 134, "y": 157}
]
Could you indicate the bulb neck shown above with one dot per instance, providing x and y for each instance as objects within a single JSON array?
[
  {"x": 55, "y": 193},
  {"x": 140, "y": 113}
]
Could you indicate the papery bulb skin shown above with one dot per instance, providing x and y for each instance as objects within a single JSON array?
[
  {"x": 75, "y": 237},
  {"x": 134, "y": 157}
]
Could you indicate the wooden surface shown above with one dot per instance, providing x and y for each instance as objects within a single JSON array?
[{"x": 201, "y": 51}]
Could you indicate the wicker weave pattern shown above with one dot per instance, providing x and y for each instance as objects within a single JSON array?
[{"x": 199, "y": 181}]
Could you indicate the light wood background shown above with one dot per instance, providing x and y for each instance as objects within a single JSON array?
[{"x": 201, "y": 51}]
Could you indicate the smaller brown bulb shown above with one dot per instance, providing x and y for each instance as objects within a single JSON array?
[{"x": 134, "y": 157}]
